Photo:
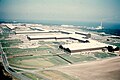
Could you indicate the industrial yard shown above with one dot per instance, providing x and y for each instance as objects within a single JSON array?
[{"x": 43, "y": 52}]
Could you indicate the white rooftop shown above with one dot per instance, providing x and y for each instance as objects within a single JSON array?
[
  {"x": 79, "y": 37},
  {"x": 78, "y": 46},
  {"x": 29, "y": 31}
]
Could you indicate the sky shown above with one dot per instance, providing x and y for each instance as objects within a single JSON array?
[{"x": 61, "y": 10}]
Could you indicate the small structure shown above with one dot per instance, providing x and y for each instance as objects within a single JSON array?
[{"x": 88, "y": 35}]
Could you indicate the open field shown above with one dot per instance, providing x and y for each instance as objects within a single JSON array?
[
  {"x": 37, "y": 61},
  {"x": 17, "y": 51},
  {"x": 107, "y": 69},
  {"x": 78, "y": 58},
  {"x": 56, "y": 75},
  {"x": 104, "y": 55}
]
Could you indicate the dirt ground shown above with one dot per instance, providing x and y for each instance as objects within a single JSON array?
[{"x": 107, "y": 69}]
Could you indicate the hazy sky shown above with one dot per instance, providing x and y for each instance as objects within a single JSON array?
[{"x": 61, "y": 10}]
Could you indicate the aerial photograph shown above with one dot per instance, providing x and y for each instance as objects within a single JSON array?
[{"x": 59, "y": 39}]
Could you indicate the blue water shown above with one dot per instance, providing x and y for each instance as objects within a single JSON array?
[
  {"x": 111, "y": 25},
  {"x": 111, "y": 28}
]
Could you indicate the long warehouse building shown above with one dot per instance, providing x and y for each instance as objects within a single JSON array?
[
  {"x": 79, "y": 47},
  {"x": 57, "y": 37}
]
